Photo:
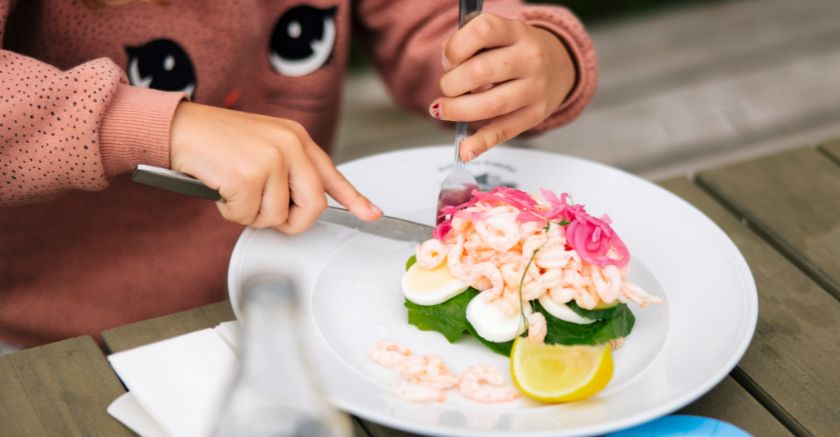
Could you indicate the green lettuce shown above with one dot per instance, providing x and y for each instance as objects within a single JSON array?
[
  {"x": 449, "y": 318},
  {"x": 602, "y": 331},
  {"x": 499, "y": 348},
  {"x": 596, "y": 314}
]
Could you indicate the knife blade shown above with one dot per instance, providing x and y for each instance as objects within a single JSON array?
[{"x": 388, "y": 227}]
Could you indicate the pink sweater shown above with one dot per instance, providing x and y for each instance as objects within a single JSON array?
[{"x": 82, "y": 249}]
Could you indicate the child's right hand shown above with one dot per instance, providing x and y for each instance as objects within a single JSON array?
[{"x": 268, "y": 170}]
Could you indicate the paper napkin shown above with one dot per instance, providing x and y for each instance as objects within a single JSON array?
[{"x": 176, "y": 386}]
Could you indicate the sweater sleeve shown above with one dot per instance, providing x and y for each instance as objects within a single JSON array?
[
  {"x": 405, "y": 40},
  {"x": 75, "y": 129}
]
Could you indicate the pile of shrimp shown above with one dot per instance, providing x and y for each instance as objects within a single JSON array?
[
  {"x": 426, "y": 378},
  {"x": 490, "y": 241}
]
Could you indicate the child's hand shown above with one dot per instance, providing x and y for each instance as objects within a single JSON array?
[
  {"x": 529, "y": 69},
  {"x": 268, "y": 170}
]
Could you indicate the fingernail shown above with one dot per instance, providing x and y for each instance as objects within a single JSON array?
[
  {"x": 375, "y": 209},
  {"x": 470, "y": 155},
  {"x": 434, "y": 110},
  {"x": 445, "y": 62}
]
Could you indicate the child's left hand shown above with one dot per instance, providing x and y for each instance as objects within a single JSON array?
[{"x": 505, "y": 72}]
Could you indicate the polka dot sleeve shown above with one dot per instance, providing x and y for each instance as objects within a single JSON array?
[{"x": 75, "y": 129}]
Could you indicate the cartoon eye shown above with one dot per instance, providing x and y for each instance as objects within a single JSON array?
[
  {"x": 163, "y": 65},
  {"x": 302, "y": 40}
]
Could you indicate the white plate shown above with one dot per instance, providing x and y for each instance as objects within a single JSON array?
[{"x": 350, "y": 282}]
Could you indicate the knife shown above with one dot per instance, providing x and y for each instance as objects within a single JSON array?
[{"x": 388, "y": 227}]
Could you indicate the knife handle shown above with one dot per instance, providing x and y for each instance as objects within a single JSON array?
[{"x": 174, "y": 181}]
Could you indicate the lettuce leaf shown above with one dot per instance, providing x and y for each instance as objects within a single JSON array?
[
  {"x": 449, "y": 318},
  {"x": 596, "y": 314},
  {"x": 499, "y": 348},
  {"x": 602, "y": 331}
]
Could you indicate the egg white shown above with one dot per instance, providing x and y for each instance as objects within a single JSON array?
[
  {"x": 493, "y": 324},
  {"x": 562, "y": 311},
  {"x": 431, "y": 287}
]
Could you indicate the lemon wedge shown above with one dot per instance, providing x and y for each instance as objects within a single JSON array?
[{"x": 557, "y": 373}]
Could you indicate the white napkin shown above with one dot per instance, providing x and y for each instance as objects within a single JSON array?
[
  {"x": 176, "y": 386},
  {"x": 127, "y": 410}
]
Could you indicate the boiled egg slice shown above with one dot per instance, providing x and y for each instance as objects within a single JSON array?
[
  {"x": 431, "y": 287},
  {"x": 562, "y": 311},
  {"x": 493, "y": 324}
]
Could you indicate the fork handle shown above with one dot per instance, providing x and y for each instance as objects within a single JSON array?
[
  {"x": 460, "y": 135},
  {"x": 467, "y": 10}
]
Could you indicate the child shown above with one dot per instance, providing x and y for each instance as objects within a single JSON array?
[{"x": 88, "y": 91}]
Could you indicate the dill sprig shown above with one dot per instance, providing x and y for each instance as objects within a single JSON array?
[{"x": 522, "y": 284}]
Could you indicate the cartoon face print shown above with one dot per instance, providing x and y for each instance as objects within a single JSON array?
[
  {"x": 163, "y": 65},
  {"x": 302, "y": 40}
]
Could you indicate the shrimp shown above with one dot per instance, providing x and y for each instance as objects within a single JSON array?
[
  {"x": 557, "y": 233},
  {"x": 473, "y": 242},
  {"x": 535, "y": 289},
  {"x": 500, "y": 232},
  {"x": 488, "y": 255},
  {"x": 428, "y": 370},
  {"x": 606, "y": 281},
  {"x": 510, "y": 303},
  {"x": 586, "y": 298},
  {"x": 512, "y": 272},
  {"x": 415, "y": 392},
  {"x": 430, "y": 254},
  {"x": 456, "y": 265},
  {"x": 528, "y": 229},
  {"x": 532, "y": 244},
  {"x": 636, "y": 294},
  {"x": 537, "y": 328},
  {"x": 569, "y": 286},
  {"x": 460, "y": 225},
  {"x": 389, "y": 354},
  {"x": 553, "y": 255},
  {"x": 484, "y": 383},
  {"x": 482, "y": 273},
  {"x": 562, "y": 294},
  {"x": 504, "y": 258}
]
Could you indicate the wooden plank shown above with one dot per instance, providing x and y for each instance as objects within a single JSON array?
[
  {"x": 743, "y": 110},
  {"x": 791, "y": 364},
  {"x": 645, "y": 54},
  {"x": 359, "y": 429},
  {"x": 61, "y": 389},
  {"x": 377, "y": 430},
  {"x": 832, "y": 149},
  {"x": 793, "y": 198},
  {"x": 160, "y": 328},
  {"x": 731, "y": 403}
]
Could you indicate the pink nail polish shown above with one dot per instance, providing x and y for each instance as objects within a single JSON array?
[{"x": 434, "y": 110}]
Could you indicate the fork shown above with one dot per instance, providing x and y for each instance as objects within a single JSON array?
[{"x": 459, "y": 183}]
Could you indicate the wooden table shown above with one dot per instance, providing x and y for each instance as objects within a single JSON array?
[{"x": 782, "y": 211}]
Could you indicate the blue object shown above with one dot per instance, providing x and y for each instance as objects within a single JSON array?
[{"x": 683, "y": 426}]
